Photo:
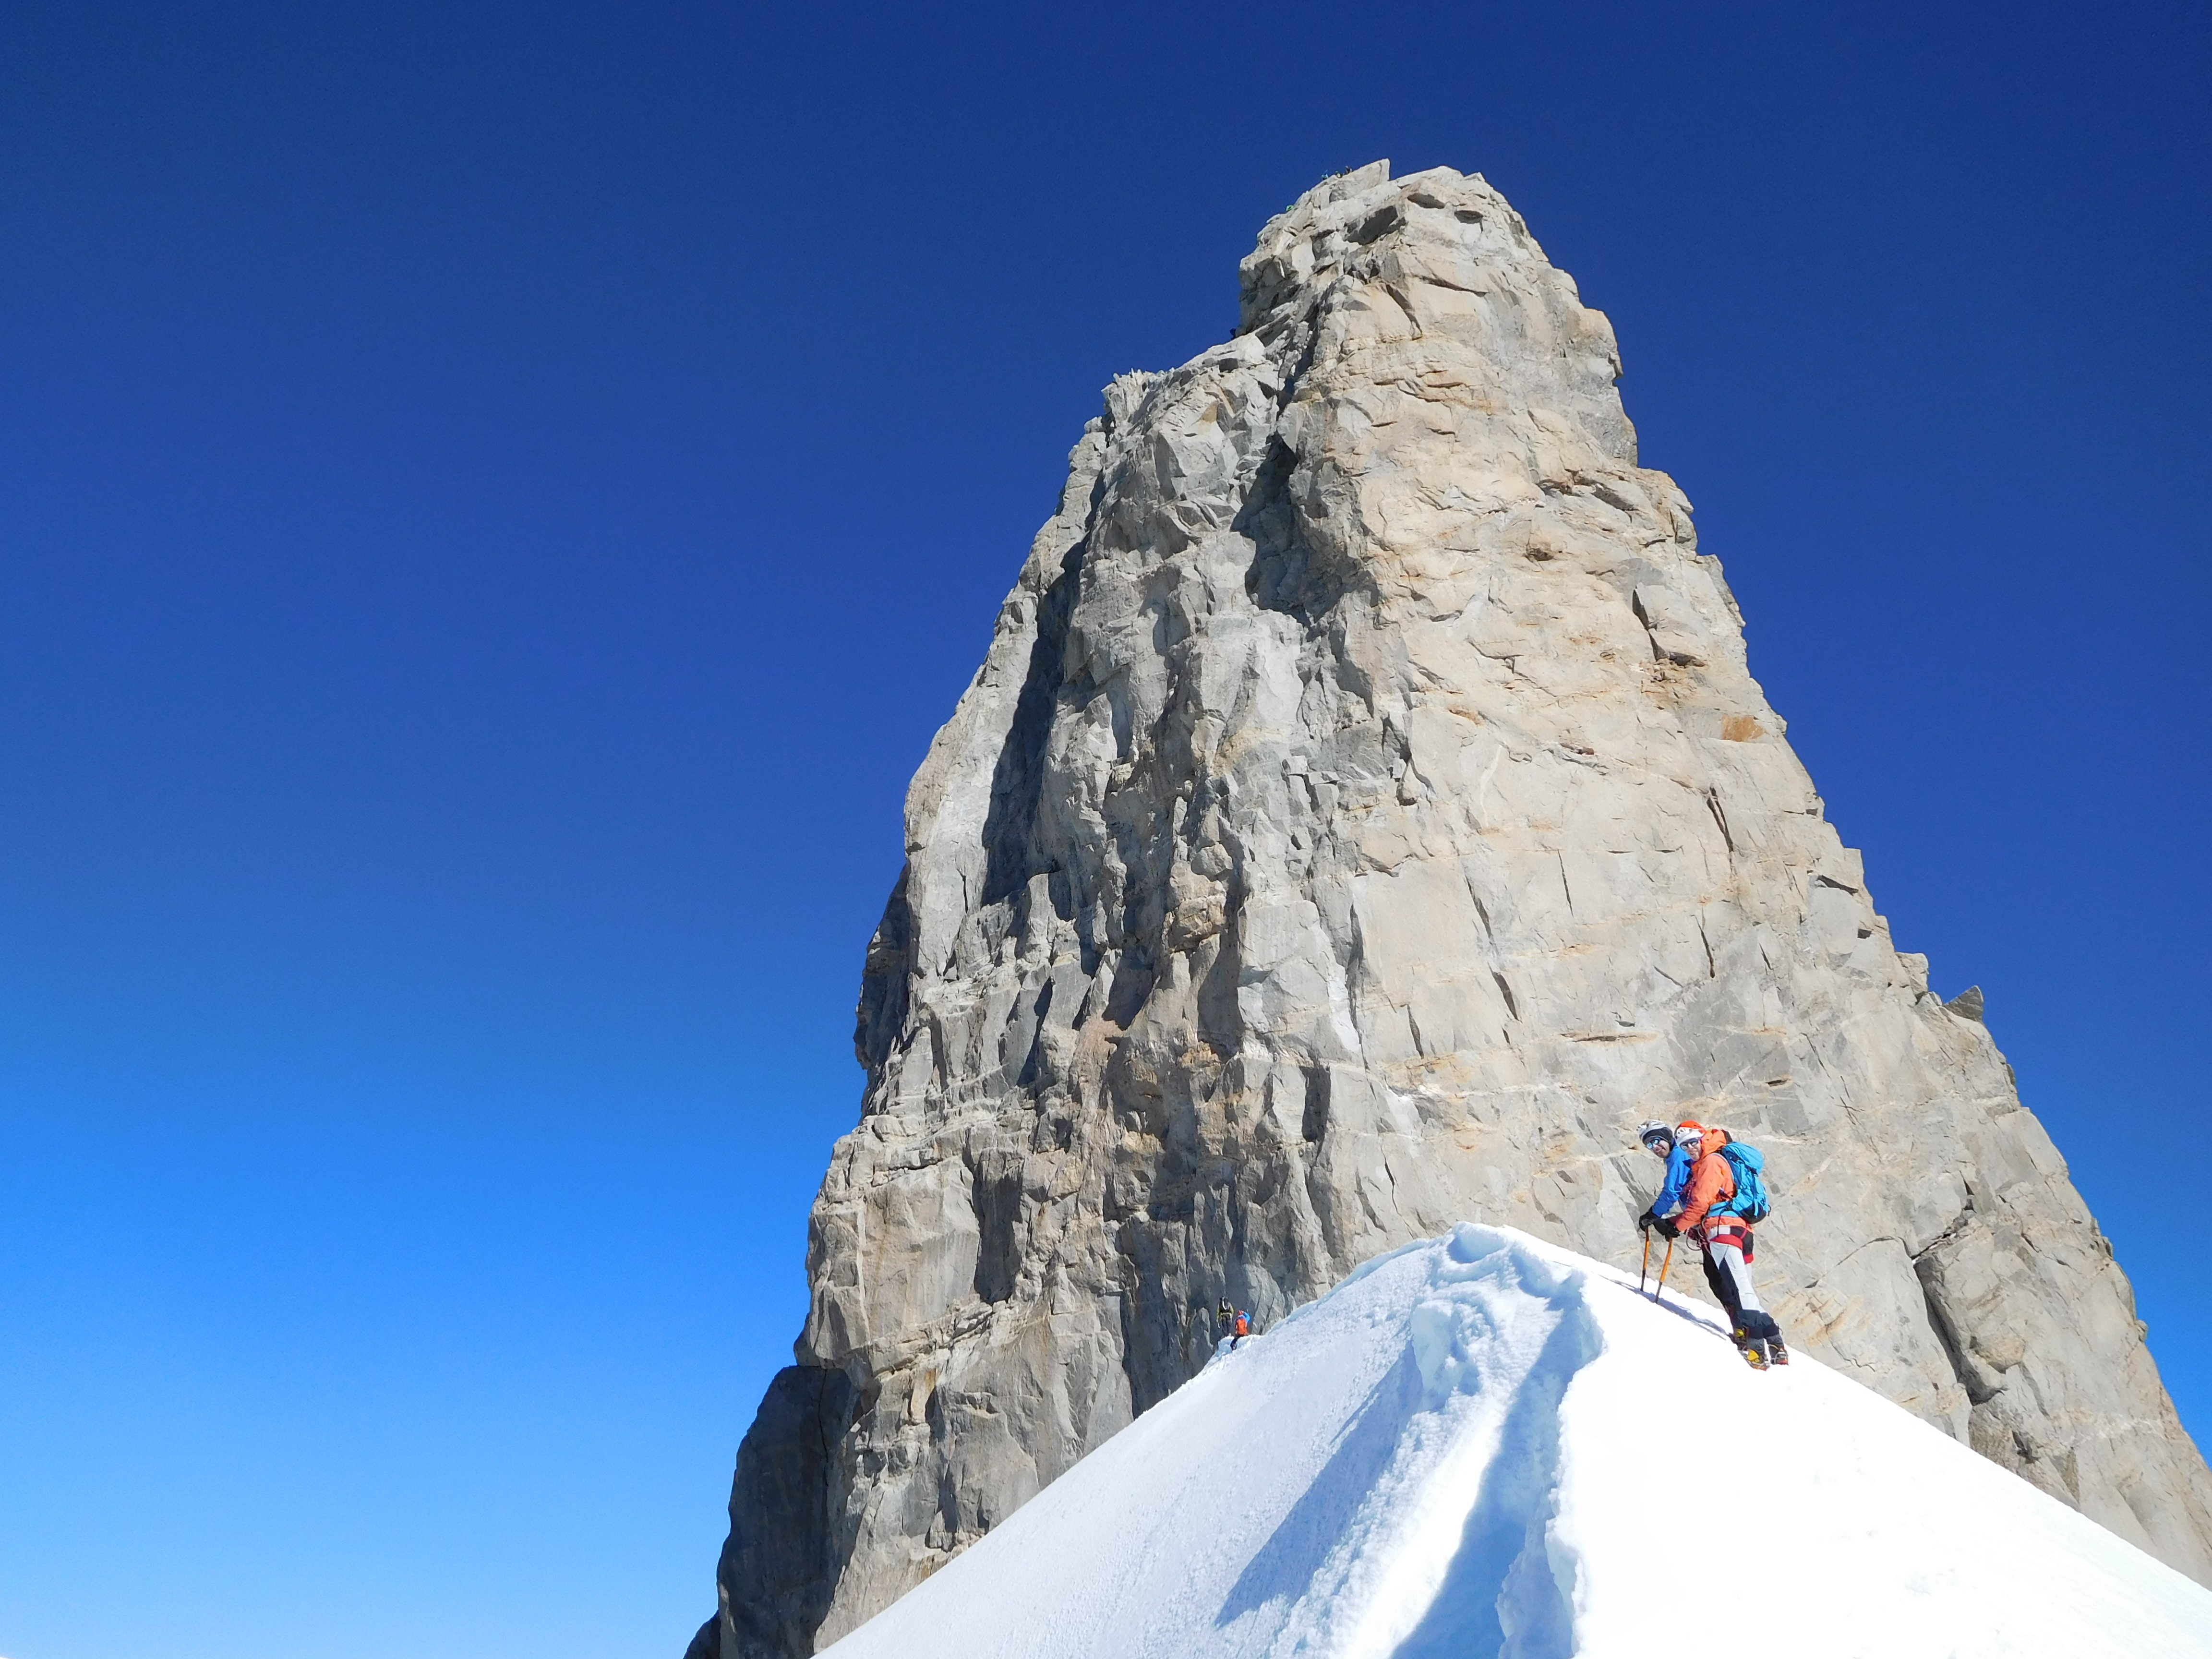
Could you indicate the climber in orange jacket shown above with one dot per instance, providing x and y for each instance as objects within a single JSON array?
[
  {"x": 1711, "y": 1181},
  {"x": 1724, "y": 1239}
]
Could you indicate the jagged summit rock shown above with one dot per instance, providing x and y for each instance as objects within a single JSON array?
[{"x": 1365, "y": 815}]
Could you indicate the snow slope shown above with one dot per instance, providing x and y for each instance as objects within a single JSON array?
[{"x": 1482, "y": 1445}]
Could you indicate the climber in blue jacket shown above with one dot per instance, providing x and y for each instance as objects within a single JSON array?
[{"x": 1658, "y": 1139}]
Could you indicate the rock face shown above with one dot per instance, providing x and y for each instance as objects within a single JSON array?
[{"x": 1363, "y": 816}]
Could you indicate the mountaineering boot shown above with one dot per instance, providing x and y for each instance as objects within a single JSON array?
[
  {"x": 1750, "y": 1347},
  {"x": 1757, "y": 1333}
]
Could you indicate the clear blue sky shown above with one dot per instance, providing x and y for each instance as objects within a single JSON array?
[{"x": 494, "y": 501}]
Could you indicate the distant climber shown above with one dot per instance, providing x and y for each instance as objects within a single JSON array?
[
  {"x": 1722, "y": 1197},
  {"x": 1244, "y": 1326}
]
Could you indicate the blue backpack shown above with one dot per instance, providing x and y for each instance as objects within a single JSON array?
[{"x": 1750, "y": 1203}]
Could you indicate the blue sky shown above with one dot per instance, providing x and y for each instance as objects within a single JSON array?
[{"x": 494, "y": 501}]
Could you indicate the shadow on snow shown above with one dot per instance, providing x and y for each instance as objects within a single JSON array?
[{"x": 1508, "y": 1590}]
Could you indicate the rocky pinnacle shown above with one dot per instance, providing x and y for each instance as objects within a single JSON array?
[{"x": 1363, "y": 816}]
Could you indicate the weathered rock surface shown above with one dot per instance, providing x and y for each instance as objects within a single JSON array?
[{"x": 1363, "y": 816}]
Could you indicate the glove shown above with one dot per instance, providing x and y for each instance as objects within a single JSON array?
[
  {"x": 1646, "y": 1222},
  {"x": 1666, "y": 1228}
]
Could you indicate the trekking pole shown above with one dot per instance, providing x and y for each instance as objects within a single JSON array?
[
  {"x": 1665, "y": 1263},
  {"x": 1644, "y": 1272}
]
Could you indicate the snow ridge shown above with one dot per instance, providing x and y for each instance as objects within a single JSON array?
[
  {"x": 1482, "y": 1445},
  {"x": 1436, "y": 1506}
]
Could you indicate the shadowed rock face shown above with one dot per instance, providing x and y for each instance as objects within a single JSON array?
[{"x": 1363, "y": 816}]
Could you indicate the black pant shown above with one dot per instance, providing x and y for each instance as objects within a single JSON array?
[
  {"x": 1755, "y": 1323},
  {"x": 1721, "y": 1287}
]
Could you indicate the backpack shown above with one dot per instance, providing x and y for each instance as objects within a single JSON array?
[{"x": 1750, "y": 1205}]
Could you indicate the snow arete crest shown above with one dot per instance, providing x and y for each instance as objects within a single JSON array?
[
  {"x": 1465, "y": 1449},
  {"x": 1363, "y": 816}
]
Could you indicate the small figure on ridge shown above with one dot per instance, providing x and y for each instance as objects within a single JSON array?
[{"x": 1722, "y": 1194}]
